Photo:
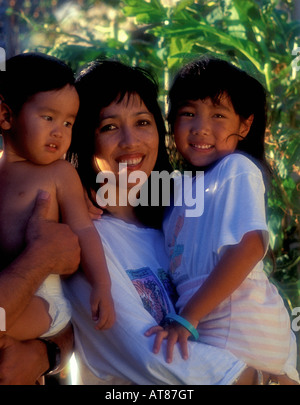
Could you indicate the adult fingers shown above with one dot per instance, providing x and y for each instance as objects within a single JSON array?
[{"x": 42, "y": 204}]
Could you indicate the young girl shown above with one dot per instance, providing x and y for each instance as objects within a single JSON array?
[
  {"x": 218, "y": 114},
  {"x": 39, "y": 104}
]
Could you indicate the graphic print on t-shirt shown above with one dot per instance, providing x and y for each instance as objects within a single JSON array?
[
  {"x": 150, "y": 290},
  {"x": 177, "y": 251}
]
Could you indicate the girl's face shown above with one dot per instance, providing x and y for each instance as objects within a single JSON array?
[
  {"x": 41, "y": 132},
  {"x": 203, "y": 130},
  {"x": 127, "y": 134}
]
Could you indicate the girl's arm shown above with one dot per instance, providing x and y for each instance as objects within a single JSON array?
[
  {"x": 234, "y": 266},
  {"x": 74, "y": 212},
  {"x": 232, "y": 269}
]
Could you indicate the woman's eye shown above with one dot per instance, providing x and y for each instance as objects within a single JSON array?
[
  {"x": 143, "y": 123},
  {"x": 107, "y": 128}
]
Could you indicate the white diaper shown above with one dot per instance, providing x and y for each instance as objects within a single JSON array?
[{"x": 59, "y": 306}]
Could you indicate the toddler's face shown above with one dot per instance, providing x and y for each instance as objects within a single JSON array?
[
  {"x": 205, "y": 132},
  {"x": 43, "y": 128}
]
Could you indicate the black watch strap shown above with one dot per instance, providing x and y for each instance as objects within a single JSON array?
[{"x": 54, "y": 356}]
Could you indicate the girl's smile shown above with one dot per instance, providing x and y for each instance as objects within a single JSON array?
[{"x": 205, "y": 131}]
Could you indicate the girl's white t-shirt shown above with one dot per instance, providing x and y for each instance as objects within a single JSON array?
[{"x": 253, "y": 322}]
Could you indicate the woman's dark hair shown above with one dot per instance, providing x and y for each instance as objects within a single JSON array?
[
  {"x": 214, "y": 78},
  {"x": 98, "y": 85},
  {"x": 30, "y": 73}
]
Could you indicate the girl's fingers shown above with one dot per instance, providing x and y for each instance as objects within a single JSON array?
[
  {"x": 154, "y": 329},
  {"x": 184, "y": 348},
  {"x": 172, "y": 339},
  {"x": 160, "y": 336},
  {"x": 160, "y": 333}
]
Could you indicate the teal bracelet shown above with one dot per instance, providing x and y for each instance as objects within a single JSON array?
[{"x": 186, "y": 324}]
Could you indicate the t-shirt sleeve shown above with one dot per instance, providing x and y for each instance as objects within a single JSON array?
[{"x": 239, "y": 208}]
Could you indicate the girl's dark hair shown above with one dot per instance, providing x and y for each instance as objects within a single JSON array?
[
  {"x": 213, "y": 78},
  {"x": 98, "y": 85},
  {"x": 30, "y": 73}
]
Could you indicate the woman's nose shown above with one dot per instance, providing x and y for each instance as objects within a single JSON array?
[{"x": 129, "y": 137}]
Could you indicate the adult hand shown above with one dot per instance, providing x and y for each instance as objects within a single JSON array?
[
  {"x": 52, "y": 241},
  {"x": 21, "y": 363}
]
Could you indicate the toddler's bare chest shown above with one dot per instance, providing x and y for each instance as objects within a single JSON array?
[{"x": 17, "y": 198}]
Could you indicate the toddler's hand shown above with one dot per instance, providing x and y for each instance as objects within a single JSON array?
[{"x": 102, "y": 306}]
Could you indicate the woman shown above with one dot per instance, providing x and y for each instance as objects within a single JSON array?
[{"x": 120, "y": 122}]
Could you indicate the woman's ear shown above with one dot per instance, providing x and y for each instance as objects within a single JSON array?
[
  {"x": 246, "y": 125},
  {"x": 5, "y": 115}
]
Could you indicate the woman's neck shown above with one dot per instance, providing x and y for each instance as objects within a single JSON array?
[{"x": 126, "y": 213}]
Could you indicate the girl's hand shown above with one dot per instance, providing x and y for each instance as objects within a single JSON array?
[{"x": 173, "y": 333}]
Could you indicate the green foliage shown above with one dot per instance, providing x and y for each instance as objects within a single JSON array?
[{"x": 256, "y": 35}]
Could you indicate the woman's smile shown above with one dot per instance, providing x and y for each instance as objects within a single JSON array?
[
  {"x": 133, "y": 161},
  {"x": 126, "y": 135}
]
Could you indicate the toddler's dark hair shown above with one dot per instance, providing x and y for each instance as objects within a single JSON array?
[{"x": 30, "y": 73}]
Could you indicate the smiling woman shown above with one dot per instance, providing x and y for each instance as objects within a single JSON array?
[
  {"x": 127, "y": 134},
  {"x": 125, "y": 117}
]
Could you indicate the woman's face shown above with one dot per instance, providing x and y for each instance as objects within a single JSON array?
[{"x": 127, "y": 134}]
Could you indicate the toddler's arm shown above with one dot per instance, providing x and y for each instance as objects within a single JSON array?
[
  {"x": 94, "y": 265},
  {"x": 74, "y": 212}
]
